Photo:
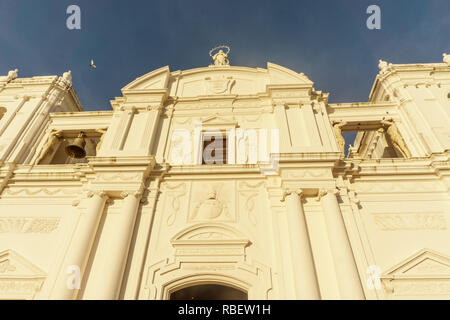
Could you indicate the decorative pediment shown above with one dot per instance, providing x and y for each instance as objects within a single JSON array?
[
  {"x": 205, "y": 232},
  {"x": 218, "y": 122},
  {"x": 425, "y": 263},
  {"x": 13, "y": 264},
  {"x": 19, "y": 278},
  {"x": 424, "y": 275},
  {"x": 209, "y": 239},
  {"x": 215, "y": 81}
]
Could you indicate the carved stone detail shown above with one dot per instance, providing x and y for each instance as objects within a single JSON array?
[
  {"x": 28, "y": 224},
  {"x": 287, "y": 192},
  {"x": 214, "y": 203},
  {"x": 41, "y": 191},
  {"x": 324, "y": 191},
  {"x": 425, "y": 273},
  {"x": 396, "y": 138},
  {"x": 337, "y": 129},
  {"x": 410, "y": 221},
  {"x": 19, "y": 278},
  {"x": 220, "y": 85},
  {"x": 174, "y": 193},
  {"x": 6, "y": 266}
]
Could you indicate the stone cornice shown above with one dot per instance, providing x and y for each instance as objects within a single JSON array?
[
  {"x": 436, "y": 164},
  {"x": 122, "y": 161},
  {"x": 404, "y": 69},
  {"x": 308, "y": 156},
  {"x": 82, "y": 114}
]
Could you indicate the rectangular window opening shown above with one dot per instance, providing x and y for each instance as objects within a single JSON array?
[{"x": 214, "y": 148}]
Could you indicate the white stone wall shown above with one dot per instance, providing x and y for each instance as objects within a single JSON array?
[{"x": 140, "y": 225}]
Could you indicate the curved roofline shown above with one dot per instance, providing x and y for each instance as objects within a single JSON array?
[{"x": 165, "y": 73}]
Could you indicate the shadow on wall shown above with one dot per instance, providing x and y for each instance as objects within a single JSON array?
[{"x": 208, "y": 292}]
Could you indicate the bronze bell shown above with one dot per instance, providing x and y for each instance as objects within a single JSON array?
[{"x": 76, "y": 149}]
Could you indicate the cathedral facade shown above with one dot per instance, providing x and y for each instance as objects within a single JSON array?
[{"x": 226, "y": 182}]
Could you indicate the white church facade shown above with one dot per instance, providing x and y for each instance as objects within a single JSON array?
[{"x": 135, "y": 203}]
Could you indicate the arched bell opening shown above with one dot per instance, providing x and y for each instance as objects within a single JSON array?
[{"x": 208, "y": 292}]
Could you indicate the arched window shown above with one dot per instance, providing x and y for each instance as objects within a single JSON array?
[{"x": 208, "y": 292}]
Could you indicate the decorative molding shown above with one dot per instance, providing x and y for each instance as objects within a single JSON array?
[
  {"x": 218, "y": 85},
  {"x": 134, "y": 193},
  {"x": 121, "y": 176},
  {"x": 209, "y": 239},
  {"x": 306, "y": 173},
  {"x": 421, "y": 288},
  {"x": 41, "y": 191},
  {"x": 245, "y": 184},
  {"x": 210, "y": 208},
  {"x": 250, "y": 206},
  {"x": 410, "y": 221},
  {"x": 165, "y": 276},
  {"x": 19, "y": 278},
  {"x": 100, "y": 193},
  {"x": 28, "y": 224},
  {"x": 216, "y": 203},
  {"x": 425, "y": 273},
  {"x": 287, "y": 192},
  {"x": 6, "y": 266},
  {"x": 174, "y": 193},
  {"x": 250, "y": 191},
  {"x": 353, "y": 197},
  {"x": 324, "y": 191}
]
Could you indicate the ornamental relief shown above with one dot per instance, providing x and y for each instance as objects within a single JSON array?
[
  {"x": 417, "y": 288},
  {"x": 212, "y": 202},
  {"x": 28, "y": 287},
  {"x": 250, "y": 192},
  {"x": 427, "y": 272},
  {"x": 6, "y": 266},
  {"x": 41, "y": 191},
  {"x": 218, "y": 85},
  {"x": 174, "y": 192},
  {"x": 303, "y": 174},
  {"x": 121, "y": 176},
  {"x": 28, "y": 224},
  {"x": 210, "y": 208},
  {"x": 19, "y": 278},
  {"x": 410, "y": 221},
  {"x": 160, "y": 275}
]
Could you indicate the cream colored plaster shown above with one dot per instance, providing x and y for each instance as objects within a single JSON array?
[{"x": 140, "y": 225}]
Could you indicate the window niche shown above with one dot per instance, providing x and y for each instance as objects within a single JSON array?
[
  {"x": 214, "y": 147},
  {"x": 372, "y": 144},
  {"x": 375, "y": 140},
  {"x": 54, "y": 150}
]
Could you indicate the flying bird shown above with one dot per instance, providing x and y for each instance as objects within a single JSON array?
[{"x": 92, "y": 64}]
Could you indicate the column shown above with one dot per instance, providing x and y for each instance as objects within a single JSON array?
[
  {"x": 105, "y": 278},
  {"x": 305, "y": 279},
  {"x": 347, "y": 274},
  {"x": 80, "y": 246}
]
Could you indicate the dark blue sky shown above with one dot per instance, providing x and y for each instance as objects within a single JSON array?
[{"x": 327, "y": 40}]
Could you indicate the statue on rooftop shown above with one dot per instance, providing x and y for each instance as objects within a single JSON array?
[{"x": 220, "y": 58}]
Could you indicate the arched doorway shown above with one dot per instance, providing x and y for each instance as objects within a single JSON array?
[{"x": 208, "y": 292}]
